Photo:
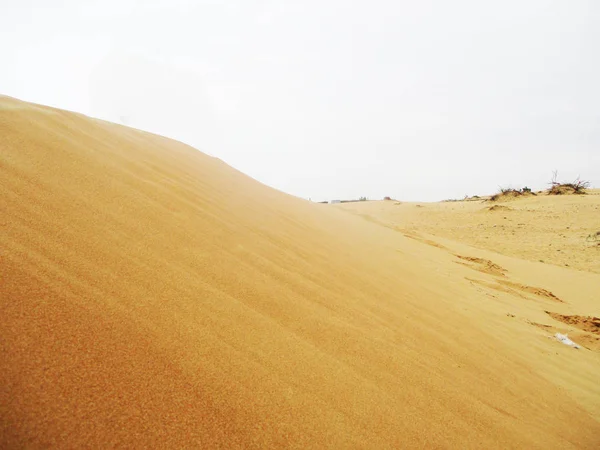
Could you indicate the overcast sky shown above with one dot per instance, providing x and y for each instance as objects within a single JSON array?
[{"x": 418, "y": 100}]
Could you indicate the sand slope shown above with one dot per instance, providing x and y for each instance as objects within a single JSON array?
[{"x": 151, "y": 296}]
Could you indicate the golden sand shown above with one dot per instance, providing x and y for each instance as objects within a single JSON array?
[{"x": 153, "y": 297}]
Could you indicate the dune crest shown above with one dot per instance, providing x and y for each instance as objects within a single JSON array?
[{"x": 153, "y": 297}]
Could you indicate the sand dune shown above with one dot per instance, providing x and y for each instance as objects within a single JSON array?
[{"x": 153, "y": 297}]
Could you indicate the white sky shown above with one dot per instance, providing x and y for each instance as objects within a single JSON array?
[{"x": 418, "y": 100}]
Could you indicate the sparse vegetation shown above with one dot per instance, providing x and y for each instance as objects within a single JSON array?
[
  {"x": 362, "y": 199},
  {"x": 577, "y": 187},
  {"x": 466, "y": 198},
  {"x": 506, "y": 192}
]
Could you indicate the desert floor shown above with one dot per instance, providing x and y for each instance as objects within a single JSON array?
[
  {"x": 563, "y": 230},
  {"x": 153, "y": 297}
]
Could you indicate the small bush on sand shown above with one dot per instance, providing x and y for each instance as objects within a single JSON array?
[
  {"x": 577, "y": 187},
  {"x": 506, "y": 193}
]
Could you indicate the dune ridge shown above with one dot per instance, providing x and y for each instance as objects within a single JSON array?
[{"x": 152, "y": 296}]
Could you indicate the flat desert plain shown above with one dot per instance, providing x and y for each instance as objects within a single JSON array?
[{"x": 153, "y": 297}]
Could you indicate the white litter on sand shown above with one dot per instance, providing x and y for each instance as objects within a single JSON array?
[{"x": 565, "y": 340}]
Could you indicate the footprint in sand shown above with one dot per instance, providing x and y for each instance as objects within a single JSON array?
[
  {"x": 424, "y": 241},
  {"x": 588, "y": 337},
  {"x": 502, "y": 285},
  {"x": 482, "y": 265},
  {"x": 517, "y": 289},
  {"x": 532, "y": 290},
  {"x": 589, "y": 324},
  {"x": 497, "y": 287}
]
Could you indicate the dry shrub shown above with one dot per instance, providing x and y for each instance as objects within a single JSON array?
[
  {"x": 507, "y": 193},
  {"x": 577, "y": 187}
]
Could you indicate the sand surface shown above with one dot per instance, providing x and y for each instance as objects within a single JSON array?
[
  {"x": 562, "y": 230},
  {"x": 153, "y": 297}
]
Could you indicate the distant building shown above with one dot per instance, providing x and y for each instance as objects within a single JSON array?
[{"x": 335, "y": 201}]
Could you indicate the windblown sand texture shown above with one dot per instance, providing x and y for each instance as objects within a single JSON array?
[{"x": 153, "y": 297}]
